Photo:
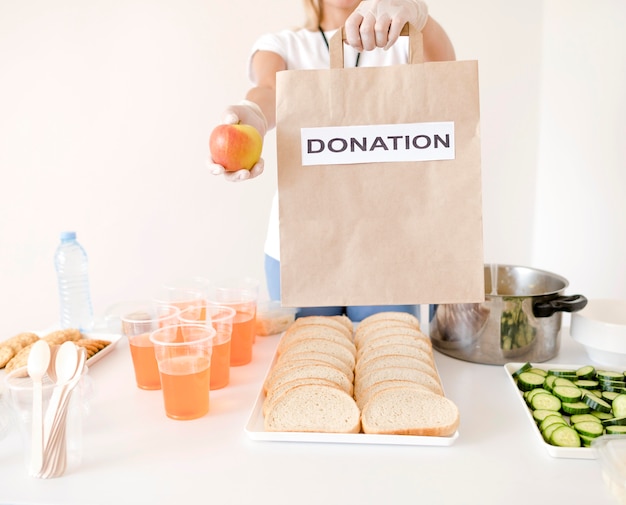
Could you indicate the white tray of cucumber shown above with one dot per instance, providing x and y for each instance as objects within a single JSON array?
[{"x": 570, "y": 405}]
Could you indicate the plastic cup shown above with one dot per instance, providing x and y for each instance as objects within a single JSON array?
[
  {"x": 240, "y": 295},
  {"x": 183, "y": 354},
  {"x": 19, "y": 398},
  {"x": 220, "y": 318},
  {"x": 139, "y": 320},
  {"x": 183, "y": 293}
]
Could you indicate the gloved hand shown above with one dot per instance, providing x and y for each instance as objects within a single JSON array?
[
  {"x": 245, "y": 112},
  {"x": 378, "y": 23}
]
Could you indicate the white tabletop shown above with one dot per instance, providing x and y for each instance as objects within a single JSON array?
[{"x": 134, "y": 454}]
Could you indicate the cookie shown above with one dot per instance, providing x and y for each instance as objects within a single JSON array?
[
  {"x": 59, "y": 336},
  {"x": 6, "y": 353}
]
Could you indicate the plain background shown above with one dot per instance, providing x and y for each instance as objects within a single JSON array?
[{"x": 106, "y": 107}]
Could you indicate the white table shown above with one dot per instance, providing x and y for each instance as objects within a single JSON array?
[{"x": 135, "y": 455}]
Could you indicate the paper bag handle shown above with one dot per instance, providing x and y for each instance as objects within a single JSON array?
[{"x": 416, "y": 46}]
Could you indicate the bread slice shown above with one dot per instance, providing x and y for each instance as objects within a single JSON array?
[
  {"x": 282, "y": 367},
  {"x": 386, "y": 330},
  {"x": 329, "y": 359},
  {"x": 409, "y": 411},
  {"x": 338, "y": 324},
  {"x": 397, "y": 373},
  {"x": 392, "y": 361},
  {"x": 346, "y": 321},
  {"x": 364, "y": 332},
  {"x": 322, "y": 345},
  {"x": 314, "y": 408},
  {"x": 386, "y": 384},
  {"x": 424, "y": 346},
  {"x": 313, "y": 370},
  {"x": 315, "y": 331},
  {"x": 409, "y": 349},
  {"x": 268, "y": 401},
  {"x": 392, "y": 316}
]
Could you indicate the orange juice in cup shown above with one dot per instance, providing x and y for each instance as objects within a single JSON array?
[
  {"x": 244, "y": 326},
  {"x": 240, "y": 295},
  {"x": 139, "y": 319},
  {"x": 183, "y": 354},
  {"x": 221, "y": 319},
  {"x": 185, "y": 381}
]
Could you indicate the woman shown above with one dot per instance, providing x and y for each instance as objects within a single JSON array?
[{"x": 372, "y": 29}]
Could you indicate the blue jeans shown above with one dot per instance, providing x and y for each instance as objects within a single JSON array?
[{"x": 355, "y": 313}]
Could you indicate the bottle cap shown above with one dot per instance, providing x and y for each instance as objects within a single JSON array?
[{"x": 68, "y": 235}]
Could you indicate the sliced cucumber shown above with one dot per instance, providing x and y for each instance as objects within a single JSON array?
[
  {"x": 529, "y": 394},
  {"x": 614, "y": 421},
  {"x": 546, "y": 401},
  {"x": 540, "y": 414},
  {"x": 524, "y": 368},
  {"x": 565, "y": 436},
  {"x": 576, "y": 408},
  {"x": 579, "y": 418},
  {"x": 601, "y": 415},
  {"x": 562, "y": 381},
  {"x": 618, "y": 405},
  {"x": 589, "y": 428},
  {"x": 609, "y": 396},
  {"x": 549, "y": 382},
  {"x": 596, "y": 403},
  {"x": 609, "y": 375},
  {"x": 586, "y": 441},
  {"x": 567, "y": 393},
  {"x": 568, "y": 374},
  {"x": 616, "y": 430},
  {"x": 547, "y": 433},
  {"x": 528, "y": 380},
  {"x": 538, "y": 371},
  {"x": 586, "y": 372},
  {"x": 587, "y": 384}
]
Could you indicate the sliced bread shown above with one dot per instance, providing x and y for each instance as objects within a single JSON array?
[
  {"x": 322, "y": 345},
  {"x": 314, "y": 408},
  {"x": 395, "y": 360},
  {"x": 337, "y": 324},
  {"x": 312, "y": 370},
  {"x": 397, "y": 373},
  {"x": 277, "y": 391},
  {"x": 317, "y": 356},
  {"x": 409, "y": 411},
  {"x": 392, "y": 316},
  {"x": 315, "y": 331}
]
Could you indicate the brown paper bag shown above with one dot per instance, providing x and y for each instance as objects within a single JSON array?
[{"x": 379, "y": 183}]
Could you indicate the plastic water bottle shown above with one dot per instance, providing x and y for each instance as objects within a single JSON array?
[{"x": 71, "y": 262}]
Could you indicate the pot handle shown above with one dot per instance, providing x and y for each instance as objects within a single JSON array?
[{"x": 572, "y": 303}]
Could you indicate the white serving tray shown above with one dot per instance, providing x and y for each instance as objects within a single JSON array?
[
  {"x": 554, "y": 451},
  {"x": 255, "y": 430}
]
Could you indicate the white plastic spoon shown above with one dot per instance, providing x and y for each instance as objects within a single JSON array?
[
  {"x": 65, "y": 368},
  {"x": 38, "y": 360},
  {"x": 56, "y": 447}
]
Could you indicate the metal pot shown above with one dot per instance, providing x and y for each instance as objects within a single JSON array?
[{"x": 520, "y": 319}]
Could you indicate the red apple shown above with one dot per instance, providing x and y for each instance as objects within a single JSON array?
[{"x": 235, "y": 146}]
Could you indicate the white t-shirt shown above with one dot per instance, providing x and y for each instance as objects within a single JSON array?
[{"x": 305, "y": 50}]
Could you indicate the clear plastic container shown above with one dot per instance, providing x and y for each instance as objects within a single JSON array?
[
  {"x": 272, "y": 318},
  {"x": 611, "y": 452},
  {"x": 71, "y": 264}
]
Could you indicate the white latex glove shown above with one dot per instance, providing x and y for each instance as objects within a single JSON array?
[
  {"x": 378, "y": 23},
  {"x": 245, "y": 112}
]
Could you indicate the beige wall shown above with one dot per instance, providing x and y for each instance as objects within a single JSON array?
[{"x": 106, "y": 107}]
